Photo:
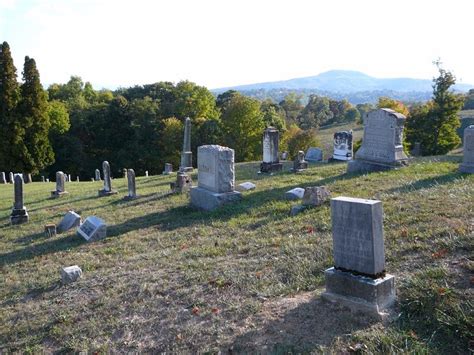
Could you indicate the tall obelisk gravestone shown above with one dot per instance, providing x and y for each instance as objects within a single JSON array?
[
  {"x": 132, "y": 187},
  {"x": 19, "y": 214},
  {"x": 186, "y": 155}
]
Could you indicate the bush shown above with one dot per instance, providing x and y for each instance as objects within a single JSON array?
[{"x": 296, "y": 139}]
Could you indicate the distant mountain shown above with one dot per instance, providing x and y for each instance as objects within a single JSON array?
[{"x": 346, "y": 82}]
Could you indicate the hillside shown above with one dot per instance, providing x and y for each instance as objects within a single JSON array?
[{"x": 246, "y": 278}]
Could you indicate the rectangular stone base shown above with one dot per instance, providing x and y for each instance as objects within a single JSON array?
[
  {"x": 365, "y": 166},
  {"x": 359, "y": 292},
  {"x": 19, "y": 216},
  {"x": 466, "y": 168},
  {"x": 208, "y": 200},
  {"x": 300, "y": 167},
  {"x": 106, "y": 193},
  {"x": 56, "y": 194},
  {"x": 270, "y": 167}
]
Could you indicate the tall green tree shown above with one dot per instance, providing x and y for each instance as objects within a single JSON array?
[
  {"x": 37, "y": 152},
  {"x": 315, "y": 113}
]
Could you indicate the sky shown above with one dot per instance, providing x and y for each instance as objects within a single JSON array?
[{"x": 220, "y": 43}]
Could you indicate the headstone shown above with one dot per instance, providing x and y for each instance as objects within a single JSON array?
[
  {"x": 168, "y": 169},
  {"x": 43, "y": 179},
  {"x": 19, "y": 214},
  {"x": 77, "y": 178},
  {"x": 65, "y": 178},
  {"x": 183, "y": 183},
  {"x": 68, "y": 177},
  {"x": 70, "y": 274},
  {"x": 69, "y": 221},
  {"x": 246, "y": 186},
  {"x": 271, "y": 160},
  {"x": 186, "y": 155},
  {"x": 60, "y": 185},
  {"x": 11, "y": 176},
  {"x": 467, "y": 165},
  {"x": 3, "y": 179},
  {"x": 358, "y": 278},
  {"x": 314, "y": 155},
  {"x": 92, "y": 229},
  {"x": 382, "y": 147},
  {"x": 343, "y": 149},
  {"x": 300, "y": 164},
  {"x": 416, "y": 151},
  {"x": 97, "y": 175},
  {"x": 216, "y": 178},
  {"x": 47, "y": 180},
  {"x": 295, "y": 194},
  {"x": 50, "y": 230},
  {"x": 124, "y": 172},
  {"x": 315, "y": 196},
  {"x": 146, "y": 173},
  {"x": 107, "y": 190},
  {"x": 284, "y": 155},
  {"x": 132, "y": 189},
  {"x": 27, "y": 178}
]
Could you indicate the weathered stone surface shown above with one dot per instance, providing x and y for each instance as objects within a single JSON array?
[
  {"x": 300, "y": 163},
  {"x": 382, "y": 146},
  {"x": 60, "y": 185},
  {"x": 107, "y": 190},
  {"x": 314, "y": 155},
  {"x": 183, "y": 183},
  {"x": 19, "y": 214},
  {"x": 70, "y": 274},
  {"x": 97, "y": 175},
  {"x": 295, "y": 194},
  {"x": 467, "y": 165},
  {"x": 246, "y": 186},
  {"x": 69, "y": 221},
  {"x": 284, "y": 155},
  {"x": 343, "y": 149},
  {"x": 50, "y": 230},
  {"x": 315, "y": 195},
  {"x": 132, "y": 187},
  {"x": 3, "y": 179},
  {"x": 27, "y": 178},
  {"x": 186, "y": 155},
  {"x": 43, "y": 179},
  {"x": 416, "y": 151},
  {"x": 11, "y": 178},
  {"x": 92, "y": 229},
  {"x": 168, "y": 169},
  {"x": 209, "y": 200},
  {"x": 146, "y": 173},
  {"x": 271, "y": 161}
]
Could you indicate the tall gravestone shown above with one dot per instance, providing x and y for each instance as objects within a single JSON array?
[
  {"x": 107, "y": 190},
  {"x": 60, "y": 185},
  {"x": 186, "y": 155},
  {"x": 11, "y": 178},
  {"x": 132, "y": 188},
  {"x": 271, "y": 160},
  {"x": 382, "y": 147},
  {"x": 27, "y": 178},
  {"x": 168, "y": 169},
  {"x": 3, "y": 179},
  {"x": 467, "y": 165},
  {"x": 216, "y": 178},
  {"x": 342, "y": 144},
  {"x": 97, "y": 175},
  {"x": 19, "y": 214},
  {"x": 358, "y": 278}
]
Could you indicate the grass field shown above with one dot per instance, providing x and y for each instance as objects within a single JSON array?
[{"x": 245, "y": 278}]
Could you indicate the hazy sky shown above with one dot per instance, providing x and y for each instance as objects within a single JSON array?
[{"x": 220, "y": 43}]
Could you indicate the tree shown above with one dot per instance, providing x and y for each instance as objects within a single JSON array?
[
  {"x": 292, "y": 106},
  {"x": 36, "y": 152},
  {"x": 296, "y": 139},
  {"x": 58, "y": 117},
  {"x": 434, "y": 124},
  {"x": 273, "y": 115},
  {"x": 386, "y": 102},
  {"x": 9, "y": 97},
  {"x": 316, "y": 113},
  {"x": 352, "y": 115}
]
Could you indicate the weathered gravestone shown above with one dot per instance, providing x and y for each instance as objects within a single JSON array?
[
  {"x": 50, "y": 230},
  {"x": 60, "y": 185},
  {"x": 300, "y": 163},
  {"x": 216, "y": 178},
  {"x": 97, "y": 175},
  {"x": 69, "y": 221},
  {"x": 3, "y": 179},
  {"x": 68, "y": 177},
  {"x": 186, "y": 155},
  {"x": 342, "y": 146},
  {"x": 246, "y": 186},
  {"x": 284, "y": 155},
  {"x": 92, "y": 229},
  {"x": 132, "y": 187},
  {"x": 382, "y": 147},
  {"x": 271, "y": 160},
  {"x": 183, "y": 183},
  {"x": 19, "y": 214},
  {"x": 314, "y": 155},
  {"x": 70, "y": 274},
  {"x": 107, "y": 190},
  {"x": 12, "y": 178},
  {"x": 146, "y": 173},
  {"x": 467, "y": 165},
  {"x": 358, "y": 278},
  {"x": 43, "y": 179},
  {"x": 168, "y": 169},
  {"x": 313, "y": 196},
  {"x": 295, "y": 194},
  {"x": 124, "y": 172},
  {"x": 416, "y": 151},
  {"x": 27, "y": 178}
]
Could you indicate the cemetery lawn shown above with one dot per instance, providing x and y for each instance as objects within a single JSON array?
[{"x": 245, "y": 278}]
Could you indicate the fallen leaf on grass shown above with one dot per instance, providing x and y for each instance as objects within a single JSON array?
[
  {"x": 215, "y": 310},
  {"x": 196, "y": 311},
  {"x": 439, "y": 253}
]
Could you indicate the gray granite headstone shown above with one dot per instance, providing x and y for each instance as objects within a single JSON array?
[
  {"x": 146, "y": 173},
  {"x": 271, "y": 159},
  {"x": 69, "y": 221},
  {"x": 467, "y": 165},
  {"x": 168, "y": 169},
  {"x": 11, "y": 176},
  {"x": 70, "y": 274},
  {"x": 60, "y": 185},
  {"x": 132, "y": 187},
  {"x": 246, "y": 186},
  {"x": 300, "y": 164},
  {"x": 3, "y": 179},
  {"x": 186, "y": 155},
  {"x": 43, "y": 178},
  {"x": 295, "y": 194},
  {"x": 97, "y": 175},
  {"x": 314, "y": 155},
  {"x": 107, "y": 190},
  {"x": 92, "y": 229},
  {"x": 19, "y": 214},
  {"x": 27, "y": 178}
]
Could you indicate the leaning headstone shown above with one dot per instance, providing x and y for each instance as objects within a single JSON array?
[
  {"x": 69, "y": 221},
  {"x": 300, "y": 164},
  {"x": 295, "y": 194},
  {"x": 3, "y": 179},
  {"x": 97, "y": 175},
  {"x": 467, "y": 165},
  {"x": 107, "y": 190},
  {"x": 382, "y": 147},
  {"x": 132, "y": 188},
  {"x": 342, "y": 144},
  {"x": 358, "y": 278},
  {"x": 92, "y": 229},
  {"x": 245, "y": 186},
  {"x": 315, "y": 196},
  {"x": 11, "y": 176},
  {"x": 168, "y": 169},
  {"x": 186, "y": 155},
  {"x": 70, "y": 274},
  {"x": 60, "y": 185},
  {"x": 271, "y": 160},
  {"x": 314, "y": 155},
  {"x": 50, "y": 230},
  {"x": 19, "y": 214},
  {"x": 216, "y": 178}
]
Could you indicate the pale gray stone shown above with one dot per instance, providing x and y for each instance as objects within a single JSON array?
[
  {"x": 97, "y": 175},
  {"x": 300, "y": 164},
  {"x": 132, "y": 187},
  {"x": 70, "y": 274},
  {"x": 27, "y": 178},
  {"x": 416, "y": 151},
  {"x": 146, "y": 173},
  {"x": 208, "y": 200},
  {"x": 3, "y": 179},
  {"x": 69, "y": 221},
  {"x": 314, "y": 155},
  {"x": 246, "y": 186},
  {"x": 168, "y": 169},
  {"x": 271, "y": 161},
  {"x": 107, "y": 190},
  {"x": 315, "y": 196},
  {"x": 183, "y": 183},
  {"x": 467, "y": 165},
  {"x": 295, "y": 194},
  {"x": 186, "y": 155},
  {"x": 92, "y": 229},
  {"x": 43, "y": 179},
  {"x": 11, "y": 176},
  {"x": 19, "y": 213},
  {"x": 343, "y": 149},
  {"x": 60, "y": 185},
  {"x": 284, "y": 155}
]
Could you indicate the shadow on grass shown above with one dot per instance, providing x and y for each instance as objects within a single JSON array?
[
  {"x": 302, "y": 329},
  {"x": 427, "y": 183}
]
